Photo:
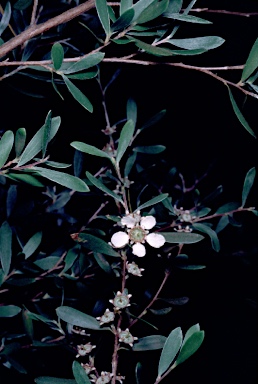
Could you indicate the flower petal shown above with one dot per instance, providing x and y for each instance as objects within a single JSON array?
[
  {"x": 148, "y": 222},
  {"x": 139, "y": 250},
  {"x": 130, "y": 220},
  {"x": 119, "y": 239},
  {"x": 155, "y": 240}
]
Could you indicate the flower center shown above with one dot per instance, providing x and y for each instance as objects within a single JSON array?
[
  {"x": 121, "y": 301},
  {"x": 137, "y": 234}
]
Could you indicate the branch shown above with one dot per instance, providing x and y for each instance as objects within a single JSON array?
[
  {"x": 35, "y": 30},
  {"x": 223, "y": 11}
]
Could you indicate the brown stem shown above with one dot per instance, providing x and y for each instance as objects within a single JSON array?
[
  {"x": 167, "y": 273},
  {"x": 241, "y": 209},
  {"x": 115, "y": 352},
  {"x": 34, "y": 11},
  {"x": 223, "y": 11},
  {"x": 35, "y": 30}
]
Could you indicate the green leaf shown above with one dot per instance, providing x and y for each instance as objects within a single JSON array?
[
  {"x": 46, "y": 133},
  {"x": 102, "y": 10},
  {"x": 79, "y": 373},
  {"x": 102, "y": 187},
  {"x": 150, "y": 343},
  {"x": 190, "y": 346},
  {"x": 19, "y": 141},
  {"x": 131, "y": 110},
  {"x": 189, "y": 52},
  {"x": 150, "y": 149},
  {"x": 161, "y": 312},
  {"x": 211, "y": 233},
  {"x": 182, "y": 237},
  {"x": 96, "y": 245},
  {"x": 123, "y": 21},
  {"x": 156, "y": 51},
  {"x": 53, "y": 380},
  {"x": 251, "y": 63},
  {"x": 70, "y": 258},
  {"x": 89, "y": 149},
  {"x": 228, "y": 207},
  {"x": 139, "y": 374},
  {"x": 125, "y": 5},
  {"x": 239, "y": 114},
  {"x": 154, "y": 119},
  {"x": 6, "y": 144},
  {"x": 9, "y": 310},
  {"x": 153, "y": 201},
  {"x": 47, "y": 262},
  {"x": 29, "y": 179},
  {"x": 22, "y": 4},
  {"x": 78, "y": 318},
  {"x": 153, "y": 11},
  {"x": 85, "y": 63},
  {"x": 68, "y": 181},
  {"x": 170, "y": 350},
  {"x": 124, "y": 139},
  {"x": 140, "y": 6},
  {"x": 56, "y": 164},
  {"x": 194, "y": 328},
  {"x": 223, "y": 222},
  {"x": 129, "y": 164},
  {"x": 207, "y": 42},
  {"x": 33, "y": 243},
  {"x": 35, "y": 144},
  {"x": 5, "y": 247},
  {"x": 191, "y": 267},
  {"x": 83, "y": 75},
  {"x": 5, "y": 17},
  {"x": 78, "y": 95},
  {"x": 249, "y": 180},
  {"x": 57, "y": 55},
  {"x": 175, "y": 6},
  {"x": 102, "y": 262},
  {"x": 187, "y": 18}
]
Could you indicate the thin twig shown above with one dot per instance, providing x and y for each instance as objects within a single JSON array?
[
  {"x": 34, "y": 11},
  {"x": 223, "y": 11},
  {"x": 35, "y": 30}
]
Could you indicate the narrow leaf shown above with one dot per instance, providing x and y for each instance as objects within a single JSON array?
[
  {"x": 46, "y": 133},
  {"x": 170, "y": 350},
  {"x": 239, "y": 115},
  {"x": 96, "y": 244},
  {"x": 123, "y": 21},
  {"x": 124, "y": 139},
  {"x": 5, "y": 17},
  {"x": 102, "y": 10},
  {"x": 153, "y": 201},
  {"x": 19, "y": 141},
  {"x": 150, "y": 343},
  {"x": 68, "y": 181},
  {"x": 228, "y": 207},
  {"x": 140, "y": 6},
  {"x": 85, "y": 63},
  {"x": 150, "y": 149},
  {"x": 251, "y": 63},
  {"x": 57, "y": 55},
  {"x": 102, "y": 262},
  {"x": 78, "y": 95},
  {"x": 33, "y": 243},
  {"x": 131, "y": 110},
  {"x": 29, "y": 179},
  {"x": 35, "y": 144},
  {"x": 194, "y": 328},
  {"x": 78, "y": 318},
  {"x": 191, "y": 345},
  {"x": 47, "y": 262},
  {"x": 6, "y": 144},
  {"x": 153, "y": 11},
  {"x": 125, "y": 5},
  {"x": 154, "y": 119},
  {"x": 207, "y": 42},
  {"x": 5, "y": 247},
  {"x": 129, "y": 164},
  {"x": 211, "y": 233},
  {"x": 102, "y": 187},
  {"x": 182, "y": 237},
  {"x": 79, "y": 373},
  {"x": 89, "y": 149},
  {"x": 249, "y": 180},
  {"x": 9, "y": 310},
  {"x": 175, "y": 6},
  {"x": 22, "y": 4},
  {"x": 156, "y": 51},
  {"x": 186, "y": 18}
]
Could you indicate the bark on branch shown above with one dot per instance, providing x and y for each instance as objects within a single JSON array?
[{"x": 35, "y": 30}]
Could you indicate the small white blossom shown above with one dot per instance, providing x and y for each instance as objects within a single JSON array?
[
  {"x": 121, "y": 300},
  {"x": 183, "y": 229},
  {"x": 107, "y": 317},
  {"x": 84, "y": 349},
  {"x": 134, "y": 269},
  {"x": 88, "y": 367},
  {"x": 126, "y": 337},
  {"x": 104, "y": 378},
  {"x": 137, "y": 233}
]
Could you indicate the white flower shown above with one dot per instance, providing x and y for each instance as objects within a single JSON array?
[
  {"x": 107, "y": 317},
  {"x": 137, "y": 234},
  {"x": 126, "y": 337},
  {"x": 84, "y": 349},
  {"x": 121, "y": 300},
  {"x": 104, "y": 378},
  {"x": 134, "y": 269}
]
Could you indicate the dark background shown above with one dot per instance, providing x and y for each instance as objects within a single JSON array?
[{"x": 201, "y": 133}]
